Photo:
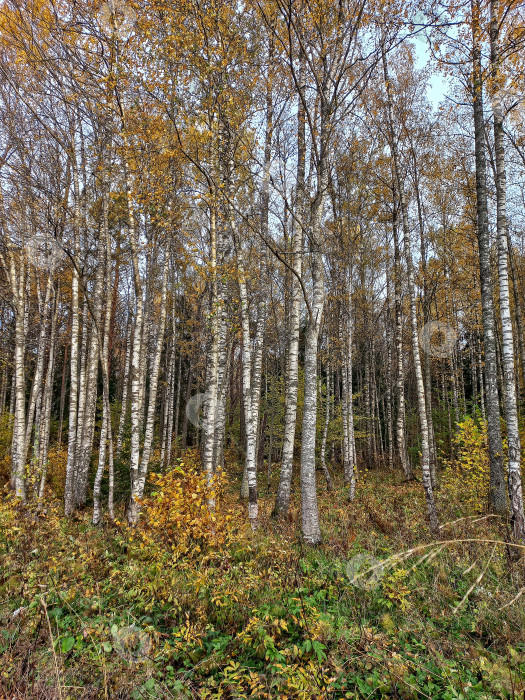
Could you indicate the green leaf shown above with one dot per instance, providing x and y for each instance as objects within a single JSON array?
[
  {"x": 107, "y": 647},
  {"x": 67, "y": 644},
  {"x": 319, "y": 650}
]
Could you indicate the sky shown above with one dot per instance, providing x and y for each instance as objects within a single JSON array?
[{"x": 437, "y": 84}]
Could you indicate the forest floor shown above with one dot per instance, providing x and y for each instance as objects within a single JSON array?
[{"x": 89, "y": 612}]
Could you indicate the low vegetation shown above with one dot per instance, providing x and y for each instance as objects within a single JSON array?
[{"x": 182, "y": 607}]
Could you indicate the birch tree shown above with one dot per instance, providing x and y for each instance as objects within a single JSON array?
[{"x": 509, "y": 393}]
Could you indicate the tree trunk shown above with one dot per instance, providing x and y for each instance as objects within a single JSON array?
[
  {"x": 69, "y": 492},
  {"x": 212, "y": 363},
  {"x": 18, "y": 283},
  {"x": 509, "y": 375},
  {"x": 125, "y": 386},
  {"x": 137, "y": 378},
  {"x": 518, "y": 310},
  {"x": 420, "y": 387},
  {"x": 310, "y": 527},
  {"x": 282, "y": 502},
  {"x": 329, "y": 485},
  {"x": 46, "y": 408},
  {"x": 251, "y": 461},
  {"x": 104, "y": 342},
  {"x": 87, "y": 434},
  {"x": 400, "y": 375},
  {"x": 139, "y": 481},
  {"x": 37, "y": 384},
  {"x": 497, "y": 479}
]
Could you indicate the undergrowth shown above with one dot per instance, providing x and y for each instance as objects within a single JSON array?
[{"x": 183, "y": 607}]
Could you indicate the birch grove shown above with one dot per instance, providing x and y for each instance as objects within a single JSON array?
[{"x": 243, "y": 233}]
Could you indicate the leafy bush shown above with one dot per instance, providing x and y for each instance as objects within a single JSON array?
[
  {"x": 466, "y": 479},
  {"x": 56, "y": 470},
  {"x": 6, "y": 436},
  {"x": 177, "y": 513}
]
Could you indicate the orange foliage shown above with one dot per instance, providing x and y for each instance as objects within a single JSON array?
[{"x": 177, "y": 516}]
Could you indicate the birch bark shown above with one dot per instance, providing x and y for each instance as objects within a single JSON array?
[
  {"x": 497, "y": 479},
  {"x": 37, "y": 384},
  {"x": 282, "y": 501},
  {"x": 251, "y": 462},
  {"x": 509, "y": 374},
  {"x": 125, "y": 386},
  {"x": 420, "y": 387},
  {"x": 85, "y": 446},
  {"x": 212, "y": 361},
  {"x": 47, "y": 399},
  {"x": 18, "y": 284},
  {"x": 136, "y": 357},
  {"x": 324, "y": 468},
  {"x": 309, "y": 509},
  {"x": 400, "y": 373},
  {"x": 69, "y": 491},
  {"x": 139, "y": 480},
  {"x": 106, "y": 436}
]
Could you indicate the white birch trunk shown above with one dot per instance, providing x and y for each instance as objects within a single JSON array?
[
  {"x": 509, "y": 374},
  {"x": 138, "y": 484},
  {"x": 106, "y": 438},
  {"x": 125, "y": 387},
  {"x": 310, "y": 526},
  {"x": 171, "y": 359},
  {"x": 400, "y": 373},
  {"x": 212, "y": 363},
  {"x": 69, "y": 491},
  {"x": 251, "y": 464},
  {"x": 18, "y": 282},
  {"x": 85, "y": 447},
  {"x": 136, "y": 357},
  {"x": 352, "y": 461},
  {"x": 282, "y": 501},
  {"x": 46, "y": 408},
  {"x": 420, "y": 387},
  {"x": 497, "y": 476},
  {"x": 222, "y": 393},
  {"x": 37, "y": 385},
  {"x": 324, "y": 468}
]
